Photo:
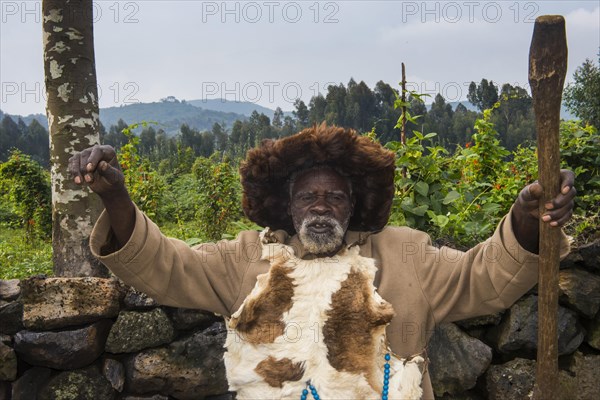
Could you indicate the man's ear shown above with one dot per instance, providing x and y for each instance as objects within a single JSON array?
[{"x": 352, "y": 206}]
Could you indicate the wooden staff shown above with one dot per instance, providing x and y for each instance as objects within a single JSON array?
[
  {"x": 547, "y": 69},
  {"x": 403, "y": 129}
]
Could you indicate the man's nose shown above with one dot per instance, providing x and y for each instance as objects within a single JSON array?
[{"x": 320, "y": 206}]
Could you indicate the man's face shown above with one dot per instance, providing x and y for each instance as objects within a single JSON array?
[{"x": 321, "y": 206}]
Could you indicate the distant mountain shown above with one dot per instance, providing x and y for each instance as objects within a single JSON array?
[
  {"x": 198, "y": 114},
  {"x": 41, "y": 118},
  {"x": 169, "y": 114},
  {"x": 454, "y": 104},
  {"x": 239, "y": 107}
]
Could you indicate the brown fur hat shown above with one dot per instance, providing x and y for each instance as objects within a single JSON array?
[{"x": 266, "y": 171}]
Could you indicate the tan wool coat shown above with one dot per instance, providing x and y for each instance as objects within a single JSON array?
[{"x": 425, "y": 285}]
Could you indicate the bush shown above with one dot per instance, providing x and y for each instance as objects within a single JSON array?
[
  {"x": 463, "y": 196},
  {"x": 26, "y": 195},
  {"x": 219, "y": 189},
  {"x": 580, "y": 152}
]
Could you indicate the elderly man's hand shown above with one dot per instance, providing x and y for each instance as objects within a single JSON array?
[
  {"x": 98, "y": 167},
  {"x": 557, "y": 212}
]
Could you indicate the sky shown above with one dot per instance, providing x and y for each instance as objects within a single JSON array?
[{"x": 272, "y": 52}]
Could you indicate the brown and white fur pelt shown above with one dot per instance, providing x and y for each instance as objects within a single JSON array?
[{"x": 315, "y": 320}]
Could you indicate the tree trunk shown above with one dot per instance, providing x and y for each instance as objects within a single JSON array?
[{"x": 73, "y": 121}]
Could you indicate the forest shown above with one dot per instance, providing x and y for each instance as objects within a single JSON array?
[
  {"x": 457, "y": 174},
  {"x": 353, "y": 105}
]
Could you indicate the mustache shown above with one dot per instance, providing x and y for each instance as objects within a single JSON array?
[
  {"x": 321, "y": 243},
  {"x": 320, "y": 219}
]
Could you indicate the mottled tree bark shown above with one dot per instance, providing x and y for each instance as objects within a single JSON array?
[{"x": 73, "y": 121}]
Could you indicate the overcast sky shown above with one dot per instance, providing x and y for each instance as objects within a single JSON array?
[{"x": 271, "y": 52}]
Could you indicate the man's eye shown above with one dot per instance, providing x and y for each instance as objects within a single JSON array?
[
  {"x": 306, "y": 198},
  {"x": 335, "y": 198}
]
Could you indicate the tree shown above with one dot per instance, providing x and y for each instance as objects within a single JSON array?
[
  {"x": 360, "y": 106},
  {"x": 102, "y": 132},
  {"x": 115, "y": 136},
  {"x": 484, "y": 95},
  {"x": 147, "y": 141},
  {"x": 31, "y": 140},
  {"x": 189, "y": 137},
  {"x": 38, "y": 142},
  {"x": 207, "y": 144},
  {"x": 9, "y": 136},
  {"x": 463, "y": 122},
  {"x": 162, "y": 146},
  {"x": 514, "y": 116},
  {"x": 439, "y": 120},
  {"x": 289, "y": 126},
  {"x": 301, "y": 114},
  {"x": 386, "y": 114},
  {"x": 260, "y": 128},
  {"x": 220, "y": 135},
  {"x": 317, "y": 106},
  {"x": 582, "y": 97},
  {"x": 237, "y": 140},
  {"x": 335, "y": 112},
  {"x": 278, "y": 118},
  {"x": 73, "y": 119}
]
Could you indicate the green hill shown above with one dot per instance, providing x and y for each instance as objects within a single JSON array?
[
  {"x": 239, "y": 107},
  {"x": 169, "y": 114}
]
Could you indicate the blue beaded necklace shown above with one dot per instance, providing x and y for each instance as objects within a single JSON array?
[{"x": 384, "y": 392}]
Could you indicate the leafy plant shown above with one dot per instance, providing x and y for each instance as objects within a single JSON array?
[
  {"x": 145, "y": 185},
  {"x": 218, "y": 186},
  {"x": 26, "y": 191},
  {"x": 462, "y": 195},
  {"x": 580, "y": 152}
]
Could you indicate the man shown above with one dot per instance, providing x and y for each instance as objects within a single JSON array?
[{"x": 328, "y": 302}]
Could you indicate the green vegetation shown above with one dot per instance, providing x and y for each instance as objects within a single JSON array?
[
  {"x": 20, "y": 257},
  {"x": 25, "y": 196},
  {"x": 172, "y": 113},
  {"x": 25, "y": 218},
  {"x": 461, "y": 197},
  {"x": 182, "y": 125},
  {"x": 457, "y": 175},
  {"x": 583, "y": 95}
]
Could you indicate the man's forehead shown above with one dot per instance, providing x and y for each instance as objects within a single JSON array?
[{"x": 321, "y": 175}]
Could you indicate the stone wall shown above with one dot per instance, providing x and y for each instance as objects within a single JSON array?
[{"x": 93, "y": 338}]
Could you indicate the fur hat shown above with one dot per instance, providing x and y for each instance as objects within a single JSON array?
[{"x": 267, "y": 169}]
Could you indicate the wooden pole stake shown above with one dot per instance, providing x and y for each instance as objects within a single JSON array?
[
  {"x": 403, "y": 129},
  {"x": 547, "y": 69}
]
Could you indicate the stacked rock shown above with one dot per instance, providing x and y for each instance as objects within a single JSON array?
[{"x": 94, "y": 338}]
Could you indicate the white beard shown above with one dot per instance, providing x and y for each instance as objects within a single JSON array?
[{"x": 322, "y": 243}]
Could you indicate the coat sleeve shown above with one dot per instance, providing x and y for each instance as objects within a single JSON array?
[
  {"x": 488, "y": 278},
  {"x": 206, "y": 277}
]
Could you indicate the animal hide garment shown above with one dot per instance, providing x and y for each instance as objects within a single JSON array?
[{"x": 315, "y": 320}]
